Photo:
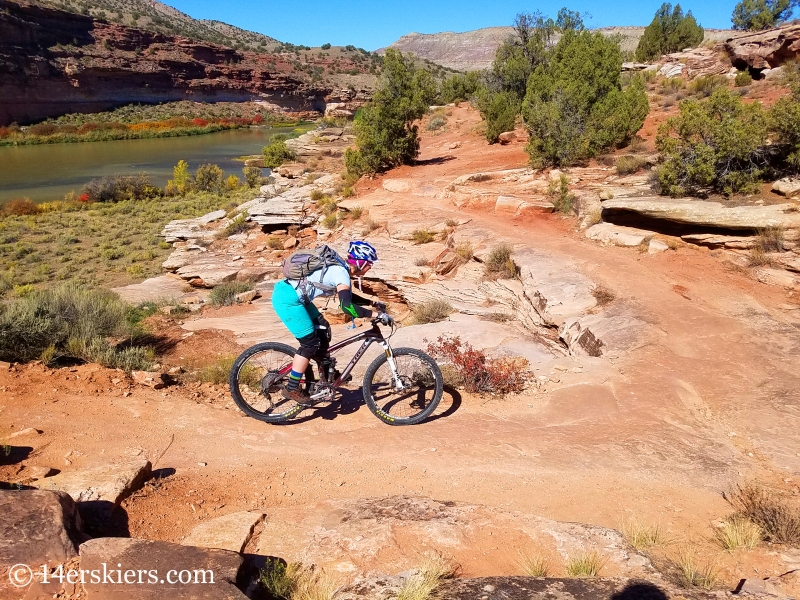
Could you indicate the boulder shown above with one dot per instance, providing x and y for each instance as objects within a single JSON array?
[
  {"x": 656, "y": 246},
  {"x": 36, "y": 527},
  {"x": 109, "y": 483},
  {"x": 552, "y": 588},
  {"x": 280, "y": 210},
  {"x": 212, "y": 216},
  {"x": 291, "y": 170},
  {"x": 212, "y": 271},
  {"x": 507, "y": 204},
  {"x": 246, "y": 296},
  {"x": 506, "y": 137},
  {"x": 229, "y": 532},
  {"x": 181, "y": 257},
  {"x": 151, "y": 379},
  {"x": 608, "y": 233},
  {"x": 670, "y": 70},
  {"x": 152, "y": 290},
  {"x": 289, "y": 243},
  {"x": 765, "y": 49},
  {"x": 731, "y": 242},
  {"x": 699, "y": 213},
  {"x": 778, "y": 277},
  {"x": 788, "y": 186},
  {"x": 152, "y": 570},
  {"x": 535, "y": 206},
  {"x": 398, "y": 186},
  {"x": 186, "y": 229}
]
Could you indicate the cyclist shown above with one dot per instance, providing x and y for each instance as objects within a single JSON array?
[{"x": 306, "y": 323}]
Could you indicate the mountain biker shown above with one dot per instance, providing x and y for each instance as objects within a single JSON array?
[{"x": 303, "y": 319}]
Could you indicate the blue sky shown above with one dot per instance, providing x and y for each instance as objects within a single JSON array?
[{"x": 372, "y": 24}]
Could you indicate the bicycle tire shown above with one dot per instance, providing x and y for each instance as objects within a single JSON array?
[
  {"x": 246, "y": 373},
  {"x": 376, "y": 392}
]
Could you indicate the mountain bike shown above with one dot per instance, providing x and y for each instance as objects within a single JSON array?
[{"x": 402, "y": 386}]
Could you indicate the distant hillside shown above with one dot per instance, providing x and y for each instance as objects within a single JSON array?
[
  {"x": 156, "y": 16},
  {"x": 475, "y": 50}
]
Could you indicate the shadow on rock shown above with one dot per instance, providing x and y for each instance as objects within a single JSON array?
[
  {"x": 11, "y": 455},
  {"x": 640, "y": 590},
  {"x": 102, "y": 519}
]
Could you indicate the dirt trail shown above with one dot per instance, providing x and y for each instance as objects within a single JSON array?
[{"x": 707, "y": 397}]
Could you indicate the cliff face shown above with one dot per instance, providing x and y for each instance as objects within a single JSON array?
[{"x": 54, "y": 62}]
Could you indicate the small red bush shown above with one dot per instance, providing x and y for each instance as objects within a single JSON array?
[
  {"x": 84, "y": 198},
  {"x": 200, "y": 122},
  {"x": 20, "y": 206},
  {"x": 258, "y": 119},
  {"x": 478, "y": 373}
]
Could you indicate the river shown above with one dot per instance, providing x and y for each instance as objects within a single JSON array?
[{"x": 47, "y": 172}]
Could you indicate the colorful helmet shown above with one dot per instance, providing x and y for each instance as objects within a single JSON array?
[{"x": 360, "y": 253}]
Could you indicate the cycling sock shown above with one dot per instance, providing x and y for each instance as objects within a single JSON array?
[{"x": 294, "y": 380}]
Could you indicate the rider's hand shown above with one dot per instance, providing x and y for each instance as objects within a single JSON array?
[
  {"x": 385, "y": 319},
  {"x": 379, "y": 306}
]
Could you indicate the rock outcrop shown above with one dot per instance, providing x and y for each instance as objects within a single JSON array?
[
  {"x": 765, "y": 49},
  {"x": 36, "y": 527},
  {"x": 698, "y": 214},
  {"x": 108, "y": 483}
]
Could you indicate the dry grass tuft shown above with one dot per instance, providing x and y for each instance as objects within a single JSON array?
[
  {"x": 534, "y": 565},
  {"x": 432, "y": 570},
  {"x": 432, "y": 311},
  {"x": 770, "y": 239},
  {"x": 421, "y": 261},
  {"x": 356, "y": 212},
  {"x": 451, "y": 222},
  {"x": 422, "y": 236},
  {"x": 694, "y": 573},
  {"x": 737, "y": 532},
  {"x": 497, "y": 317},
  {"x": 603, "y": 294},
  {"x": 499, "y": 264},
  {"x": 465, "y": 251},
  {"x": 778, "y": 522},
  {"x": 275, "y": 242},
  {"x": 630, "y": 163},
  {"x": 370, "y": 225},
  {"x": 642, "y": 536},
  {"x": 585, "y": 564}
]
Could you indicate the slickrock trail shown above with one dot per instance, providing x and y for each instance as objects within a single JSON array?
[{"x": 695, "y": 389}]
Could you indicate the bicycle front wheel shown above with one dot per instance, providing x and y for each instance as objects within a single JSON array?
[
  {"x": 412, "y": 396},
  {"x": 256, "y": 379}
]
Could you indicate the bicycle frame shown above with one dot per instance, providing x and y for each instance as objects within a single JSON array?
[{"x": 367, "y": 338}]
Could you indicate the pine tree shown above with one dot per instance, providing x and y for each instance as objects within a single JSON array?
[
  {"x": 670, "y": 31},
  {"x": 755, "y": 15}
]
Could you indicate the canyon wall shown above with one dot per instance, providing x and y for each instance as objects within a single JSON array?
[{"x": 54, "y": 62}]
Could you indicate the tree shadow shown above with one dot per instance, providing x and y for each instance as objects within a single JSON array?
[
  {"x": 437, "y": 160},
  {"x": 640, "y": 590}
]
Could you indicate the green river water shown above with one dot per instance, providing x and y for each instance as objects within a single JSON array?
[{"x": 48, "y": 172}]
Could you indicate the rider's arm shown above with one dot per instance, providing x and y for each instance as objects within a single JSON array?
[{"x": 350, "y": 303}]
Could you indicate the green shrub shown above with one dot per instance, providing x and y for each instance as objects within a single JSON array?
[
  {"x": 669, "y": 31},
  {"x": 120, "y": 187},
  {"x": 459, "y": 87},
  {"x": 252, "y": 175},
  {"x": 500, "y": 111},
  {"x": 437, "y": 122},
  {"x": 500, "y": 264},
  {"x": 277, "y": 152},
  {"x": 575, "y": 106},
  {"x": 68, "y": 321},
  {"x": 225, "y": 293},
  {"x": 717, "y": 144},
  {"x": 181, "y": 182},
  {"x": 209, "y": 178},
  {"x": 238, "y": 224},
  {"x": 316, "y": 195},
  {"x": 217, "y": 372},
  {"x": 563, "y": 199},
  {"x": 630, "y": 163},
  {"x": 743, "y": 78},
  {"x": 705, "y": 86},
  {"x": 386, "y": 135},
  {"x": 330, "y": 221},
  {"x": 756, "y": 15}
]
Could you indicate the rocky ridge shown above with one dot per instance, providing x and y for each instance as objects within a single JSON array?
[{"x": 475, "y": 50}]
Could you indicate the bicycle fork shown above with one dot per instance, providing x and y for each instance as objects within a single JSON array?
[{"x": 398, "y": 383}]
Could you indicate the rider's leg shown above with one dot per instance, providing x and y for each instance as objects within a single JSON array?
[{"x": 296, "y": 317}]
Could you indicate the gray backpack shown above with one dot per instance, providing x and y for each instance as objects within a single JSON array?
[{"x": 299, "y": 265}]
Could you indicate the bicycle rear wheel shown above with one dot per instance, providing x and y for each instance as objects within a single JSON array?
[
  {"x": 256, "y": 379},
  {"x": 421, "y": 390}
]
